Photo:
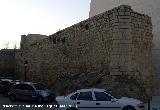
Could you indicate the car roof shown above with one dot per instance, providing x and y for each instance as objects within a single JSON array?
[
  {"x": 6, "y": 79},
  {"x": 91, "y": 89},
  {"x": 30, "y": 83}
]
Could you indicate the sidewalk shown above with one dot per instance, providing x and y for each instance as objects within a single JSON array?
[{"x": 154, "y": 104}]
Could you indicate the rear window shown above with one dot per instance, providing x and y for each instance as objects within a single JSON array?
[
  {"x": 101, "y": 96},
  {"x": 74, "y": 97}
]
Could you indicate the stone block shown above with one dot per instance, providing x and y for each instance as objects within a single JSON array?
[
  {"x": 124, "y": 17},
  {"x": 121, "y": 13},
  {"x": 114, "y": 73}
]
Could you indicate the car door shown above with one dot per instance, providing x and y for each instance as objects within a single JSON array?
[
  {"x": 104, "y": 101},
  {"x": 18, "y": 90},
  {"x": 85, "y": 101},
  {"x": 24, "y": 91},
  {"x": 30, "y": 93}
]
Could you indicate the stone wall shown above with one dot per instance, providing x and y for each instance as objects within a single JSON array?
[
  {"x": 7, "y": 62},
  {"x": 147, "y": 7},
  {"x": 20, "y": 55},
  {"x": 26, "y": 40},
  {"x": 111, "y": 50}
]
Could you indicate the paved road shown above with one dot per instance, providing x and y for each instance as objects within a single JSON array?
[{"x": 6, "y": 104}]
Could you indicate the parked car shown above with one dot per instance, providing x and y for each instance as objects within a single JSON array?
[
  {"x": 16, "y": 81},
  {"x": 1, "y": 77},
  {"x": 5, "y": 85},
  {"x": 29, "y": 91},
  {"x": 97, "y": 99}
]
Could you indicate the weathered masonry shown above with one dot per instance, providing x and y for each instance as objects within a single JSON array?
[{"x": 111, "y": 50}]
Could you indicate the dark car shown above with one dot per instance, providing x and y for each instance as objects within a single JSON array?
[
  {"x": 5, "y": 85},
  {"x": 29, "y": 91},
  {"x": 16, "y": 81}
]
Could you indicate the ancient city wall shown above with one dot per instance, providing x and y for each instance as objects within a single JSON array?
[
  {"x": 20, "y": 55},
  {"x": 148, "y": 7},
  {"x": 111, "y": 50}
]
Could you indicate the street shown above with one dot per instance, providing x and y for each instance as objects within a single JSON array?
[{"x": 6, "y": 104}]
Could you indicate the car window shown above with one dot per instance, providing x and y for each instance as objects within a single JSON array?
[
  {"x": 101, "y": 96},
  {"x": 20, "y": 86},
  {"x": 23, "y": 87},
  {"x": 74, "y": 97},
  {"x": 17, "y": 86},
  {"x": 28, "y": 87},
  {"x": 39, "y": 87},
  {"x": 85, "y": 96}
]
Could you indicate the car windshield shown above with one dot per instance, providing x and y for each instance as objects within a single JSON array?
[{"x": 39, "y": 87}]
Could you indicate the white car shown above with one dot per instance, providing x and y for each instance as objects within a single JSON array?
[{"x": 96, "y": 99}]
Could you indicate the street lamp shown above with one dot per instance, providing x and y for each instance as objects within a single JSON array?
[{"x": 25, "y": 70}]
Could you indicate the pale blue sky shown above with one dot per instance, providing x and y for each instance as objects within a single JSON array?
[{"x": 18, "y": 17}]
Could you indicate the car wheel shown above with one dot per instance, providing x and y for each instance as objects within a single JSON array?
[
  {"x": 12, "y": 98},
  {"x": 129, "y": 108},
  {"x": 72, "y": 108},
  {"x": 40, "y": 99}
]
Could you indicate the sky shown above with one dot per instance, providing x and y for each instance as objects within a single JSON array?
[{"x": 19, "y": 17}]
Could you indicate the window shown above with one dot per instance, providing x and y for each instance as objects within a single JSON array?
[
  {"x": 101, "y": 96},
  {"x": 85, "y": 96},
  {"x": 23, "y": 87},
  {"x": 74, "y": 97},
  {"x": 18, "y": 86},
  {"x": 39, "y": 87},
  {"x": 30, "y": 88}
]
